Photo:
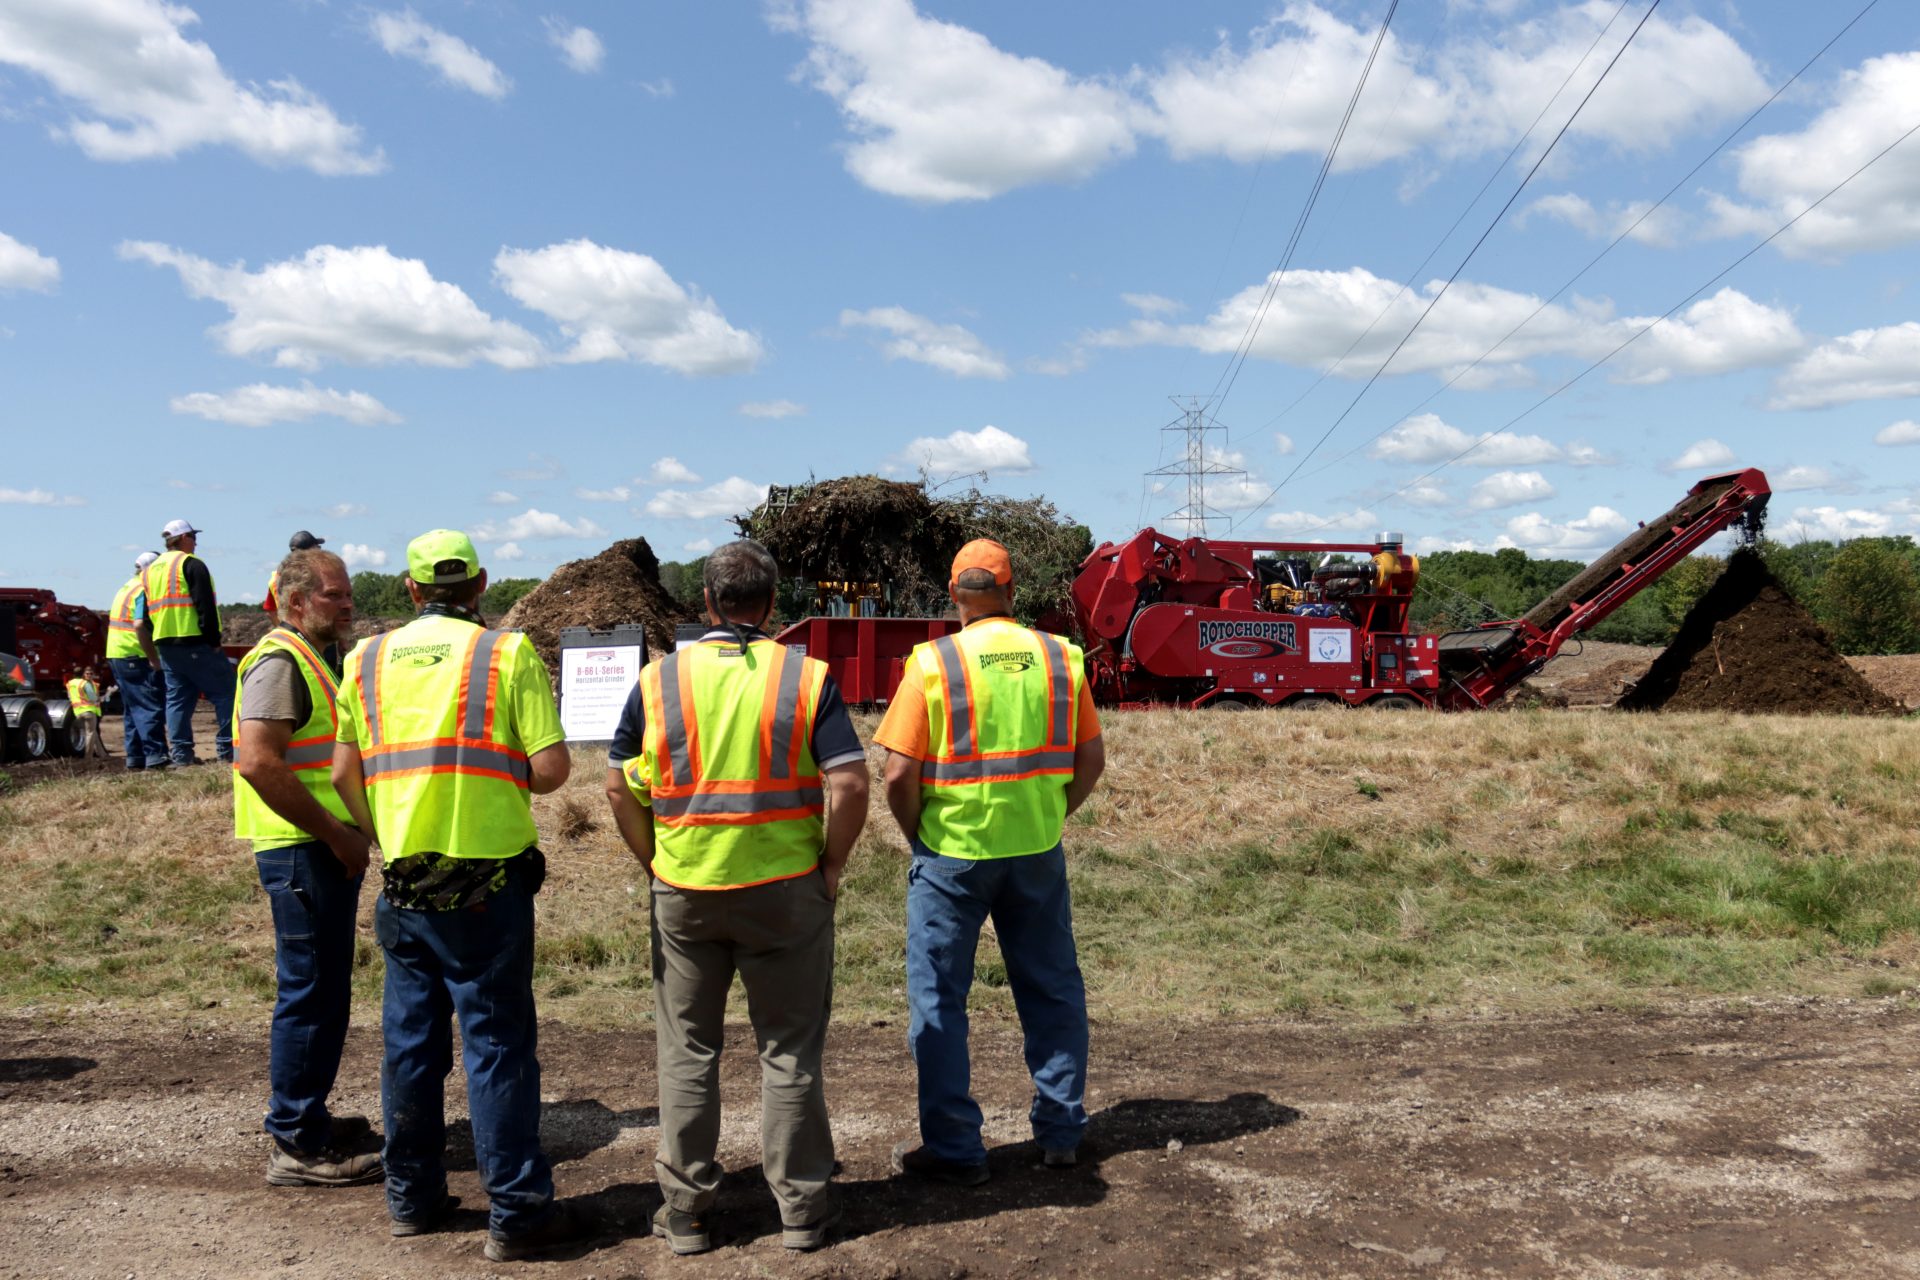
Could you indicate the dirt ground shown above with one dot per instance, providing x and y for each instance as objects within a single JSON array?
[{"x": 1765, "y": 1139}]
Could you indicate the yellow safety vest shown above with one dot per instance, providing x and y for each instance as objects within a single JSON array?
[
  {"x": 169, "y": 607},
  {"x": 84, "y": 697},
  {"x": 443, "y": 773},
  {"x": 1001, "y": 707},
  {"x": 123, "y": 633},
  {"x": 309, "y": 755},
  {"x": 727, "y": 764}
]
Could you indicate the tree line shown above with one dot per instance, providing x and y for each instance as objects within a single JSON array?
[{"x": 1865, "y": 592}]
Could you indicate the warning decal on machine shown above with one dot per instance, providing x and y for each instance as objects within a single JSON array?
[{"x": 1247, "y": 639}]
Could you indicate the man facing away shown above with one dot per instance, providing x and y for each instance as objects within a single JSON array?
[
  {"x": 446, "y": 729},
  {"x": 135, "y": 664},
  {"x": 993, "y": 741},
  {"x": 186, "y": 632},
  {"x": 311, "y": 859},
  {"x": 739, "y": 782},
  {"x": 83, "y": 699}
]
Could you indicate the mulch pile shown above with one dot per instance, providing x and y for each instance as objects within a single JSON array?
[
  {"x": 247, "y": 628},
  {"x": 621, "y": 584},
  {"x": 859, "y": 529},
  {"x": 1897, "y": 676},
  {"x": 1748, "y": 646}
]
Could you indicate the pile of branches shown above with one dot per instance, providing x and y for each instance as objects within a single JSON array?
[{"x": 868, "y": 529}]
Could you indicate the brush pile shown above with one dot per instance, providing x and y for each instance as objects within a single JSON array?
[{"x": 621, "y": 584}]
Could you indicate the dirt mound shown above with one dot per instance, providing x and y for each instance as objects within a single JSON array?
[
  {"x": 1747, "y": 646},
  {"x": 1897, "y": 676},
  {"x": 621, "y": 584},
  {"x": 1604, "y": 686}
]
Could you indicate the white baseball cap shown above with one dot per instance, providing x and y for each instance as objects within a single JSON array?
[
  {"x": 145, "y": 558},
  {"x": 177, "y": 529}
]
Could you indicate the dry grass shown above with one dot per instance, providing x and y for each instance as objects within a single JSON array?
[{"x": 1232, "y": 865}]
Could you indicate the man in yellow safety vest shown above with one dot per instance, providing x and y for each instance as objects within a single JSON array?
[
  {"x": 83, "y": 701},
  {"x": 186, "y": 631},
  {"x": 738, "y": 781},
  {"x": 993, "y": 741},
  {"x": 446, "y": 728},
  {"x": 311, "y": 860},
  {"x": 135, "y": 664}
]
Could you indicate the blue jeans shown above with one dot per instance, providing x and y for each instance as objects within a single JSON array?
[
  {"x": 476, "y": 965},
  {"x": 143, "y": 698},
  {"x": 194, "y": 669},
  {"x": 314, "y": 907},
  {"x": 947, "y": 901}
]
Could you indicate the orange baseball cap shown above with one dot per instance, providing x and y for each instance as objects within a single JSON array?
[{"x": 984, "y": 553}]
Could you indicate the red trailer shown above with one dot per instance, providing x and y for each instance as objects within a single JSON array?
[{"x": 865, "y": 655}]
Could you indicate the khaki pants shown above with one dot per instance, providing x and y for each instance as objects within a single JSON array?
[{"x": 779, "y": 938}]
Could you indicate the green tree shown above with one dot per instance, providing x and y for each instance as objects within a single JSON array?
[
  {"x": 1680, "y": 588},
  {"x": 1871, "y": 599},
  {"x": 504, "y": 594},
  {"x": 381, "y": 595}
]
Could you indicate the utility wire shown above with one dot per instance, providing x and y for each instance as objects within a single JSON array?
[
  {"x": 1718, "y": 276},
  {"x": 1435, "y": 301},
  {"x": 1231, "y": 373},
  {"x": 1611, "y": 246},
  {"x": 1498, "y": 169}
]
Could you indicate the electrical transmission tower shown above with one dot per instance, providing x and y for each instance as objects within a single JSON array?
[{"x": 1197, "y": 467}]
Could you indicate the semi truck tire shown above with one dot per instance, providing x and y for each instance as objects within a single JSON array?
[
  {"x": 67, "y": 737},
  {"x": 32, "y": 738}
]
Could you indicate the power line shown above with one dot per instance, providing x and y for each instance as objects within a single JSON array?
[
  {"x": 1408, "y": 336},
  {"x": 1718, "y": 276},
  {"x": 1439, "y": 244},
  {"x": 1611, "y": 246},
  {"x": 1231, "y": 373}
]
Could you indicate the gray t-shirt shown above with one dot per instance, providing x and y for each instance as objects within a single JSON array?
[{"x": 274, "y": 689}]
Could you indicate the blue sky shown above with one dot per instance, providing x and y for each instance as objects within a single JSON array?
[{"x": 563, "y": 273}]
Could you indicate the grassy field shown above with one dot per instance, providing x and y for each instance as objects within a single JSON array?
[{"x": 1343, "y": 864}]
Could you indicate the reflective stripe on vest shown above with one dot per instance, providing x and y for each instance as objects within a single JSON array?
[
  {"x": 1001, "y": 705},
  {"x": 443, "y": 769},
  {"x": 83, "y": 696},
  {"x": 727, "y": 764},
  {"x": 123, "y": 633},
  {"x": 309, "y": 754},
  {"x": 169, "y": 603}
]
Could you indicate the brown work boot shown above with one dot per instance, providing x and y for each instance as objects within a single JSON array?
[
  {"x": 329, "y": 1168},
  {"x": 913, "y": 1159},
  {"x": 564, "y": 1226}
]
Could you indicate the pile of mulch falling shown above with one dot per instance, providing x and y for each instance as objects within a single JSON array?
[
  {"x": 1747, "y": 646},
  {"x": 858, "y": 529},
  {"x": 621, "y": 584}
]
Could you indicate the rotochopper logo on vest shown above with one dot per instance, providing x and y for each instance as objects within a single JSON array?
[
  {"x": 1248, "y": 639},
  {"x": 1009, "y": 661},
  {"x": 419, "y": 655}
]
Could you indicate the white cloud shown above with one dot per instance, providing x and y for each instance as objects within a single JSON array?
[
  {"x": 261, "y": 404},
  {"x": 661, "y": 88},
  {"x": 1782, "y": 174},
  {"x": 141, "y": 90},
  {"x": 406, "y": 35},
  {"x": 618, "y": 493},
  {"x": 1316, "y": 317},
  {"x": 342, "y": 510},
  {"x": 1302, "y": 523},
  {"x": 1151, "y": 304},
  {"x": 579, "y": 48},
  {"x": 359, "y": 555},
  {"x": 1425, "y": 493},
  {"x": 357, "y": 306},
  {"x": 948, "y": 347},
  {"x": 24, "y": 267},
  {"x": 1867, "y": 364},
  {"x": 38, "y": 498},
  {"x": 1241, "y": 493},
  {"x": 1661, "y": 228},
  {"x": 1542, "y": 536},
  {"x": 772, "y": 409},
  {"x": 671, "y": 471},
  {"x": 1905, "y": 431},
  {"x": 618, "y": 305},
  {"x": 508, "y": 551},
  {"x": 534, "y": 523},
  {"x": 730, "y": 497},
  {"x": 1831, "y": 524},
  {"x": 988, "y": 449},
  {"x": 938, "y": 113},
  {"x": 698, "y": 547},
  {"x": 1282, "y": 443},
  {"x": 1425, "y": 439},
  {"x": 1803, "y": 477},
  {"x": 1509, "y": 489},
  {"x": 501, "y": 498},
  {"x": 1701, "y": 454}
]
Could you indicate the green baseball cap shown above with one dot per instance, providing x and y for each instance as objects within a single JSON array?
[{"x": 436, "y": 547}]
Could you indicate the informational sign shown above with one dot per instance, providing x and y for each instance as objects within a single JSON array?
[
  {"x": 1330, "y": 644},
  {"x": 594, "y": 683}
]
